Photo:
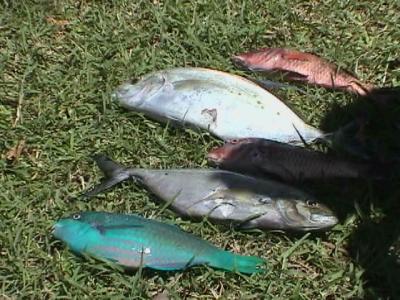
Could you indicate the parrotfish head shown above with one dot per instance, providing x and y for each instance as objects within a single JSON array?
[
  {"x": 134, "y": 95},
  {"x": 259, "y": 60},
  {"x": 306, "y": 215},
  {"x": 76, "y": 231},
  {"x": 235, "y": 152}
]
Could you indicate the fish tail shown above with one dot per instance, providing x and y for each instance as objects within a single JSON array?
[
  {"x": 114, "y": 173},
  {"x": 237, "y": 263},
  {"x": 381, "y": 171}
]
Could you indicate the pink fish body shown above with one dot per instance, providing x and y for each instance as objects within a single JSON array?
[{"x": 302, "y": 66}]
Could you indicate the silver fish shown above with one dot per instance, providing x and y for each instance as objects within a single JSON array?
[
  {"x": 227, "y": 105},
  {"x": 224, "y": 197}
]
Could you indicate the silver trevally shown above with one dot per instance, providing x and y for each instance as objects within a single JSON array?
[
  {"x": 224, "y": 197},
  {"x": 227, "y": 105}
]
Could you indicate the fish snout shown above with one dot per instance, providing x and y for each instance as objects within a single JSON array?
[
  {"x": 214, "y": 157},
  {"x": 239, "y": 61},
  {"x": 325, "y": 220},
  {"x": 55, "y": 229}
]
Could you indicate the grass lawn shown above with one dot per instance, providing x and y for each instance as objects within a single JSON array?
[{"x": 59, "y": 62}]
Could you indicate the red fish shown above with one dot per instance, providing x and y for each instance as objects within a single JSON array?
[{"x": 301, "y": 66}]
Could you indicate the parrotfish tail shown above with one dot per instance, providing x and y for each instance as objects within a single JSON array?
[
  {"x": 237, "y": 263},
  {"x": 113, "y": 174}
]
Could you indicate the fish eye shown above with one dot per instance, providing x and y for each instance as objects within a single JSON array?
[
  {"x": 234, "y": 141},
  {"x": 76, "y": 216},
  {"x": 312, "y": 203},
  {"x": 255, "y": 154}
]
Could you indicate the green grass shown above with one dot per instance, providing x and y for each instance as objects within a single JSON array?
[{"x": 58, "y": 78}]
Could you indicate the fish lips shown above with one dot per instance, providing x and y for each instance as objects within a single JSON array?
[
  {"x": 55, "y": 230},
  {"x": 213, "y": 160},
  {"x": 239, "y": 61},
  {"x": 324, "y": 221},
  {"x": 242, "y": 64}
]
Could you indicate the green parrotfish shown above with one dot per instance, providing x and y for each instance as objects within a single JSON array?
[{"x": 133, "y": 241}]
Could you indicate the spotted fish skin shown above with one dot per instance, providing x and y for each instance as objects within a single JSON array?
[
  {"x": 132, "y": 242},
  {"x": 226, "y": 105}
]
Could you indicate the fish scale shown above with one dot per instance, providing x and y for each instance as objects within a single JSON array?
[
  {"x": 287, "y": 162},
  {"x": 227, "y": 105},
  {"x": 223, "y": 197},
  {"x": 132, "y": 241}
]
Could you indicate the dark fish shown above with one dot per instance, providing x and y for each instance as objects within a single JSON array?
[
  {"x": 301, "y": 66},
  {"x": 288, "y": 163}
]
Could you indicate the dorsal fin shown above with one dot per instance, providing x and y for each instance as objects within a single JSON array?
[
  {"x": 103, "y": 229},
  {"x": 295, "y": 55}
]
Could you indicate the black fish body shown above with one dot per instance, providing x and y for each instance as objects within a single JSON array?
[{"x": 286, "y": 162}]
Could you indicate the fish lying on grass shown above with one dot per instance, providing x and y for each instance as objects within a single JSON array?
[
  {"x": 224, "y": 197},
  {"x": 228, "y": 106},
  {"x": 301, "y": 66},
  {"x": 133, "y": 242},
  {"x": 287, "y": 162}
]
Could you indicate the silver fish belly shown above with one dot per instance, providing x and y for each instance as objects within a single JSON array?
[{"x": 227, "y": 105}]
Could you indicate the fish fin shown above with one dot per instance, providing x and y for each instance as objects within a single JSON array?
[
  {"x": 291, "y": 75},
  {"x": 177, "y": 265},
  {"x": 269, "y": 84},
  {"x": 215, "y": 195},
  {"x": 237, "y": 263},
  {"x": 296, "y": 55},
  {"x": 249, "y": 223},
  {"x": 114, "y": 173},
  {"x": 381, "y": 171},
  {"x": 306, "y": 145},
  {"x": 103, "y": 229}
]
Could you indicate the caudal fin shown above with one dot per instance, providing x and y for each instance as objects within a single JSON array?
[
  {"x": 238, "y": 263},
  {"x": 114, "y": 173}
]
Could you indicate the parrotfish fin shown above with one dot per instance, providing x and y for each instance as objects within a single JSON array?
[
  {"x": 237, "y": 263},
  {"x": 178, "y": 265},
  {"x": 114, "y": 174},
  {"x": 103, "y": 229}
]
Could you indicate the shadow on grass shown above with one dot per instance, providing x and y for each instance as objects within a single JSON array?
[{"x": 374, "y": 135}]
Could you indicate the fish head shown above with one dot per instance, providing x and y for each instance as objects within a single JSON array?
[
  {"x": 235, "y": 152},
  {"x": 260, "y": 60},
  {"x": 76, "y": 231},
  {"x": 306, "y": 215},
  {"x": 134, "y": 95}
]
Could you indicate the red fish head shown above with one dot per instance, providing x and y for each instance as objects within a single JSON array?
[
  {"x": 262, "y": 59},
  {"x": 231, "y": 152}
]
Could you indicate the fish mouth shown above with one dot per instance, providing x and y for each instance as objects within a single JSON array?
[
  {"x": 214, "y": 159},
  {"x": 55, "y": 229},
  {"x": 325, "y": 221},
  {"x": 122, "y": 91},
  {"x": 238, "y": 61}
]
